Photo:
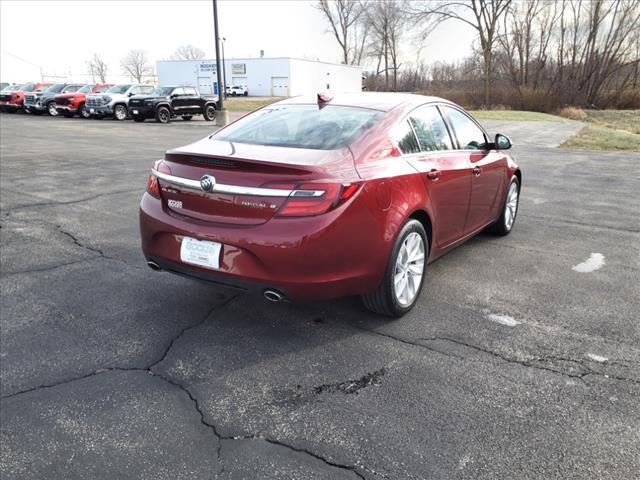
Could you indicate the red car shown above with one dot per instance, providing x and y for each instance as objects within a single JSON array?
[
  {"x": 11, "y": 101},
  {"x": 320, "y": 198},
  {"x": 70, "y": 104}
]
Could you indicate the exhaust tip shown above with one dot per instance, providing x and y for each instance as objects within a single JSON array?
[
  {"x": 273, "y": 295},
  {"x": 154, "y": 266}
]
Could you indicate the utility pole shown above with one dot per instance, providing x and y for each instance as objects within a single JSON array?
[
  {"x": 222, "y": 116},
  {"x": 224, "y": 69}
]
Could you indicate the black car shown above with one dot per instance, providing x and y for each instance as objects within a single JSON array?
[{"x": 165, "y": 103}]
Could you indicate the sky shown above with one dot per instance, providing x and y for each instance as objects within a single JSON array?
[{"x": 61, "y": 36}]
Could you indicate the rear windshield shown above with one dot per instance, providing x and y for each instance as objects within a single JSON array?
[{"x": 301, "y": 126}]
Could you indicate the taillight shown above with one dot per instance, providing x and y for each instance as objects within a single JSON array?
[
  {"x": 153, "y": 187},
  {"x": 316, "y": 198}
]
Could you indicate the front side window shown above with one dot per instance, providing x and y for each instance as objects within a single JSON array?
[
  {"x": 102, "y": 89},
  {"x": 430, "y": 129},
  {"x": 71, "y": 88},
  {"x": 86, "y": 89},
  {"x": 177, "y": 92},
  {"x": 146, "y": 89},
  {"x": 190, "y": 91},
  {"x": 470, "y": 136},
  {"x": 27, "y": 87},
  {"x": 405, "y": 138}
]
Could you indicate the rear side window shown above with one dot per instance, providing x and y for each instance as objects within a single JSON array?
[
  {"x": 470, "y": 136},
  {"x": 302, "y": 126},
  {"x": 405, "y": 138},
  {"x": 430, "y": 129}
]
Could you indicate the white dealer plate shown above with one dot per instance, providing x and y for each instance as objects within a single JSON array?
[
  {"x": 135, "y": 112},
  {"x": 92, "y": 110},
  {"x": 200, "y": 252}
]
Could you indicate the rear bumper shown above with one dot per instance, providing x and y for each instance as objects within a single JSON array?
[{"x": 332, "y": 255}]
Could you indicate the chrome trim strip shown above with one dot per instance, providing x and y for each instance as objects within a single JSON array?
[{"x": 237, "y": 189}]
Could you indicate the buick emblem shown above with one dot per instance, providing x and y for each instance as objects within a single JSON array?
[{"x": 208, "y": 183}]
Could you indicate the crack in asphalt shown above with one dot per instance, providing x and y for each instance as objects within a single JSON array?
[
  {"x": 69, "y": 202},
  {"x": 365, "y": 381},
  {"x": 532, "y": 363}
]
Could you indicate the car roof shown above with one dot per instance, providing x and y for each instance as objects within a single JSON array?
[{"x": 384, "y": 101}]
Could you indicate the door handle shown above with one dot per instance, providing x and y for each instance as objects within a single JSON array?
[
  {"x": 433, "y": 174},
  {"x": 477, "y": 171}
]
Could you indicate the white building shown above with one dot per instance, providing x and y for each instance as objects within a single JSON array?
[{"x": 278, "y": 77}]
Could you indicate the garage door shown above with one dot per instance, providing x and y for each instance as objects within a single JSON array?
[
  {"x": 239, "y": 81},
  {"x": 280, "y": 86},
  {"x": 205, "y": 85}
]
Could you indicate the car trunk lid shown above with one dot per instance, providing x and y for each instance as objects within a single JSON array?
[{"x": 251, "y": 182}]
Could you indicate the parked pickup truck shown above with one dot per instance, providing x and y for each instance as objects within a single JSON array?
[
  {"x": 12, "y": 100},
  {"x": 115, "y": 101},
  {"x": 70, "y": 104},
  {"x": 165, "y": 103},
  {"x": 40, "y": 102}
]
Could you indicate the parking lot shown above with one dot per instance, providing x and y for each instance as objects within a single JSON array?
[{"x": 521, "y": 361}]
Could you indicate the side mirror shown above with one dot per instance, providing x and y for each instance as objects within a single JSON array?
[
  {"x": 502, "y": 142},
  {"x": 131, "y": 94}
]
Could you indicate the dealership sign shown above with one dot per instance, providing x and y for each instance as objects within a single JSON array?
[{"x": 208, "y": 67}]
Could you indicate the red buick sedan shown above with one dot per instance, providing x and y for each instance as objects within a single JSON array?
[{"x": 323, "y": 197}]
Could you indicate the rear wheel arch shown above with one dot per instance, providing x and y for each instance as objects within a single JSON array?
[{"x": 423, "y": 217}]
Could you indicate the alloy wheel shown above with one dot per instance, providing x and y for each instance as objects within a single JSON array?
[
  {"x": 120, "y": 113},
  {"x": 51, "y": 108},
  {"x": 409, "y": 269},
  {"x": 511, "y": 208}
]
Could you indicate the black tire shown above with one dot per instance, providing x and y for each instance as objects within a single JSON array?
[
  {"x": 138, "y": 118},
  {"x": 383, "y": 300},
  {"x": 83, "y": 112},
  {"x": 120, "y": 112},
  {"x": 502, "y": 227},
  {"x": 163, "y": 115},
  {"x": 186, "y": 118},
  {"x": 246, "y": 94},
  {"x": 209, "y": 113},
  {"x": 52, "y": 110}
]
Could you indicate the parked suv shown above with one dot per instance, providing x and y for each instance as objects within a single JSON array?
[
  {"x": 165, "y": 103},
  {"x": 12, "y": 100},
  {"x": 69, "y": 104},
  {"x": 38, "y": 103},
  {"x": 115, "y": 101},
  {"x": 236, "y": 91}
]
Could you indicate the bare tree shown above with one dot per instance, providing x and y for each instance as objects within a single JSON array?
[
  {"x": 98, "y": 68},
  {"x": 386, "y": 23},
  {"x": 188, "y": 52},
  {"x": 343, "y": 17},
  {"x": 136, "y": 65},
  {"x": 483, "y": 16}
]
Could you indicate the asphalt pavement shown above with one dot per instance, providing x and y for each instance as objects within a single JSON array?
[{"x": 521, "y": 360}]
